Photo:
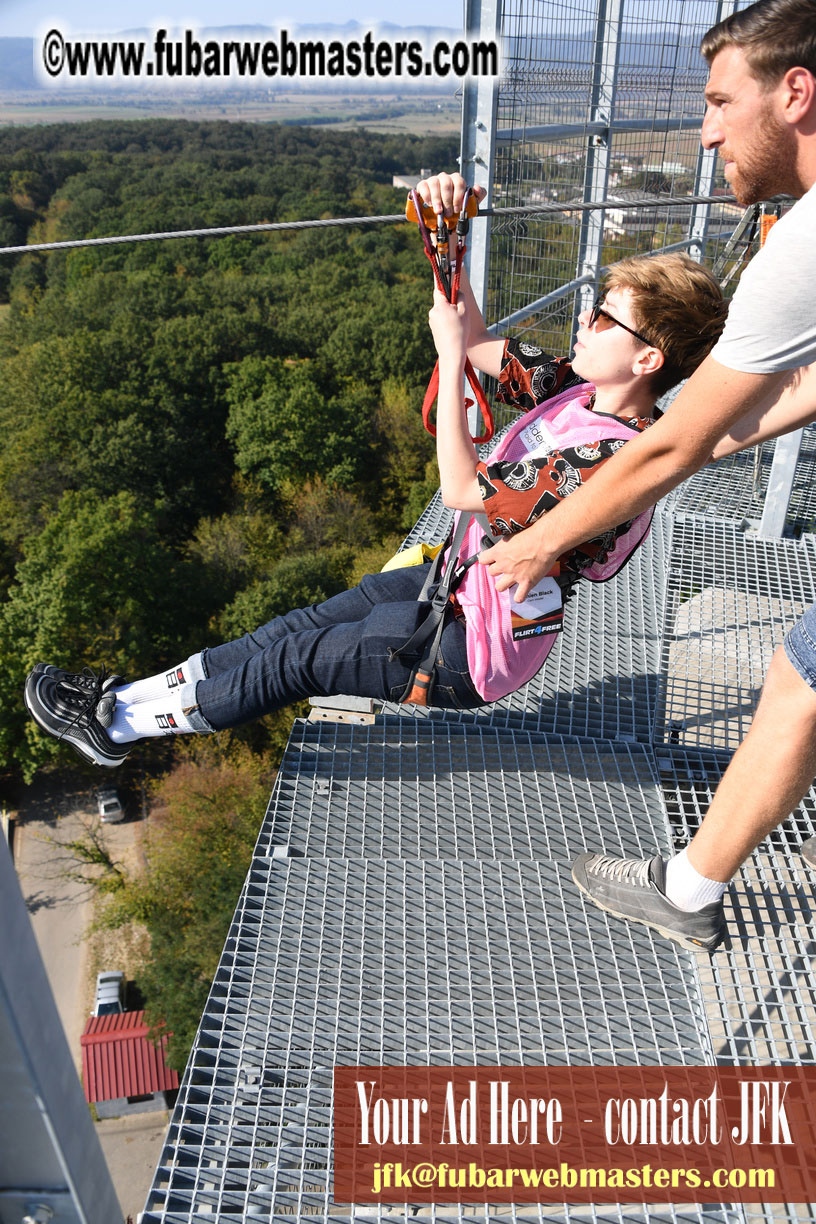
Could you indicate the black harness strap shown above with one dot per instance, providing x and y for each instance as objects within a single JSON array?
[{"x": 428, "y": 635}]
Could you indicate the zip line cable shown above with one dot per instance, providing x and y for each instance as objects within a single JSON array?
[{"x": 523, "y": 210}]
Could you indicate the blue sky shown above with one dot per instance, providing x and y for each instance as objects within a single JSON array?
[{"x": 24, "y": 18}]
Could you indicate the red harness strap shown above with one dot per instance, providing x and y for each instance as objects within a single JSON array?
[
  {"x": 438, "y": 259},
  {"x": 478, "y": 391}
]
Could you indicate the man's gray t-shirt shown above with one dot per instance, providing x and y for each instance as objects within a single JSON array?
[{"x": 771, "y": 323}]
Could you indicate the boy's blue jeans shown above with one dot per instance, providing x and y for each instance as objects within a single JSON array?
[{"x": 337, "y": 647}]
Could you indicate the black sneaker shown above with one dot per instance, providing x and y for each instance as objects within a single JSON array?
[
  {"x": 76, "y": 708},
  {"x": 635, "y": 889},
  {"x": 808, "y": 851}
]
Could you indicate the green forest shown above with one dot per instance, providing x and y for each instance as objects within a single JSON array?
[{"x": 198, "y": 434}]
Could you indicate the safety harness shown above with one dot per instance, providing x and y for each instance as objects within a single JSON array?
[
  {"x": 447, "y": 276},
  {"x": 428, "y": 635},
  {"x": 437, "y": 591}
]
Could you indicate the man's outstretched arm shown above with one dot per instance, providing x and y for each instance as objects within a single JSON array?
[
  {"x": 642, "y": 472},
  {"x": 793, "y": 407}
]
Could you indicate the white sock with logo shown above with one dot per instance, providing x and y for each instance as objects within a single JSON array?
[
  {"x": 164, "y": 683},
  {"x": 153, "y": 706},
  {"x": 145, "y": 719},
  {"x": 686, "y": 888}
]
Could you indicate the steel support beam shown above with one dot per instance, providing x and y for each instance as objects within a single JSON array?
[
  {"x": 780, "y": 484},
  {"x": 480, "y": 94},
  {"x": 704, "y": 176},
  {"x": 596, "y": 180},
  {"x": 50, "y": 1158}
]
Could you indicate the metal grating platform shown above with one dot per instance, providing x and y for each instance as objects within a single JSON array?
[
  {"x": 435, "y": 938},
  {"x": 731, "y": 598},
  {"x": 410, "y": 898},
  {"x": 427, "y": 913},
  {"x": 761, "y": 989},
  {"x": 409, "y": 789},
  {"x": 431, "y": 962},
  {"x": 734, "y": 489},
  {"x": 429, "y": 916},
  {"x": 462, "y": 960}
]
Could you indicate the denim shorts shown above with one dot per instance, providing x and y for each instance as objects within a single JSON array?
[{"x": 800, "y": 646}]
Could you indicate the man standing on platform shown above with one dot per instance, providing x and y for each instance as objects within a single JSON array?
[{"x": 758, "y": 382}]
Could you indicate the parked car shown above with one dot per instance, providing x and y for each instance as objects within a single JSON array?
[
  {"x": 109, "y": 806},
  {"x": 110, "y": 993}
]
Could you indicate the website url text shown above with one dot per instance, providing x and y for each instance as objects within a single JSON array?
[{"x": 190, "y": 58}]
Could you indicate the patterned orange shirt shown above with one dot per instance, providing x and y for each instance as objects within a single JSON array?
[{"x": 516, "y": 493}]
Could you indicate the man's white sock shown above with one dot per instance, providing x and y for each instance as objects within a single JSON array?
[
  {"x": 686, "y": 888},
  {"x": 163, "y": 684}
]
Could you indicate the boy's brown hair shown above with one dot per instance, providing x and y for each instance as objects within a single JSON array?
[
  {"x": 677, "y": 304},
  {"x": 773, "y": 35}
]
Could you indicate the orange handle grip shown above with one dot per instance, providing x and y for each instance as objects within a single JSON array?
[{"x": 431, "y": 218}]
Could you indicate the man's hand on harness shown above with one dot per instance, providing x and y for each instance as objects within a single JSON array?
[{"x": 524, "y": 559}]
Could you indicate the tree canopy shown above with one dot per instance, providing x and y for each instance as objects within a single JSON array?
[{"x": 170, "y": 409}]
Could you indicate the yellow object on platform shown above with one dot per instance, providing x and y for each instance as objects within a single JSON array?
[{"x": 417, "y": 554}]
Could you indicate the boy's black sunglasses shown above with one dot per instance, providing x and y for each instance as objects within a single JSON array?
[{"x": 598, "y": 312}]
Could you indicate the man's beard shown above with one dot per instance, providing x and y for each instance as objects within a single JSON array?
[{"x": 768, "y": 168}]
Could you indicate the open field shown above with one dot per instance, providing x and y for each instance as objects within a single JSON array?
[{"x": 418, "y": 114}]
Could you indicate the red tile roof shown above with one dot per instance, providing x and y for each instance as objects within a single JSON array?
[{"x": 119, "y": 1060}]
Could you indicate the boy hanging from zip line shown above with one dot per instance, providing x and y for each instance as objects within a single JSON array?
[{"x": 655, "y": 322}]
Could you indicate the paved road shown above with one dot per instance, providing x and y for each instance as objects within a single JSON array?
[
  {"x": 60, "y": 910},
  {"x": 132, "y": 1147}
]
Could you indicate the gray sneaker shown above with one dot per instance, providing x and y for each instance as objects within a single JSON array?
[
  {"x": 635, "y": 889},
  {"x": 808, "y": 851}
]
